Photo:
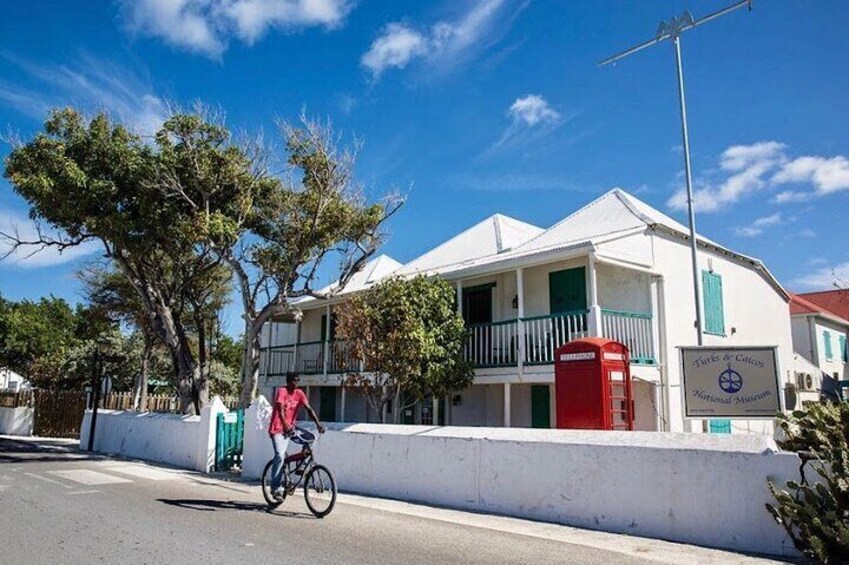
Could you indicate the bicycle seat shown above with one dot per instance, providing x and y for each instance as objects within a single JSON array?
[{"x": 302, "y": 436}]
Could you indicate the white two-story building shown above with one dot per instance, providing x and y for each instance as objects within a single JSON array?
[
  {"x": 615, "y": 268},
  {"x": 820, "y": 345}
]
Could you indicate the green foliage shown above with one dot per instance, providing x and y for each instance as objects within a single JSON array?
[
  {"x": 816, "y": 516},
  {"x": 410, "y": 337},
  {"x": 36, "y": 339}
]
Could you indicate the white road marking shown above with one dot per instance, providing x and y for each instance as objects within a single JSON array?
[
  {"x": 83, "y": 492},
  {"x": 45, "y": 479},
  {"x": 88, "y": 477},
  {"x": 144, "y": 472}
]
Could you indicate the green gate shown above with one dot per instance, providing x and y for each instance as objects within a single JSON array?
[{"x": 229, "y": 439}]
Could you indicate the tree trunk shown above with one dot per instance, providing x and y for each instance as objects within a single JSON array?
[
  {"x": 250, "y": 363},
  {"x": 144, "y": 378}
]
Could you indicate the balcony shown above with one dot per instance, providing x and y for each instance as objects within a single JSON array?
[
  {"x": 495, "y": 344},
  {"x": 307, "y": 358},
  {"x": 487, "y": 346}
]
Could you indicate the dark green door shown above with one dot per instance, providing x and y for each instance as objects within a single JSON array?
[
  {"x": 567, "y": 290},
  {"x": 540, "y": 406},
  {"x": 327, "y": 403}
]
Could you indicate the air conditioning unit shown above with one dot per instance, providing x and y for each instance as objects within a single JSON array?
[{"x": 804, "y": 381}]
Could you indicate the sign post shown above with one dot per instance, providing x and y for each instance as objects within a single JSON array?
[{"x": 730, "y": 382}]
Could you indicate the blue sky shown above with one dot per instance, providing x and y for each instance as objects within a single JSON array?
[{"x": 477, "y": 107}]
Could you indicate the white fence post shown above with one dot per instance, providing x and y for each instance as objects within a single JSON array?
[
  {"x": 256, "y": 448},
  {"x": 205, "y": 456}
]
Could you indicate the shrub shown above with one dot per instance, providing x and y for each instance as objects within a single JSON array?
[{"x": 816, "y": 515}]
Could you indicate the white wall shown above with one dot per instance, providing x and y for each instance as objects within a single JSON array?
[
  {"x": 16, "y": 421},
  {"x": 835, "y": 365},
  {"x": 800, "y": 328},
  {"x": 755, "y": 314},
  {"x": 623, "y": 289},
  {"x": 181, "y": 441},
  {"x": 700, "y": 489}
]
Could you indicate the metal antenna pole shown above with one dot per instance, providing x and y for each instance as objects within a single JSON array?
[
  {"x": 691, "y": 211},
  {"x": 672, "y": 30}
]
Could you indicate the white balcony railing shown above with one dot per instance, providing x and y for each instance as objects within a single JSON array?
[
  {"x": 633, "y": 329},
  {"x": 488, "y": 345}
]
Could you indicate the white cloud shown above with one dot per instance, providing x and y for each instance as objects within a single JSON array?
[
  {"x": 808, "y": 232},
  {"x": 757, "y": 227},
  {"x": 531, "y": 118},
  {"x": 205, "y": 26},
  {"x": 741, "y": 157},
  {"x": 826, "y": 174},
  {"x": 444, "y": 44},
  {"x": 748, "y": 165},
  {"x": 32, "y": 256},
  {"x": 751, "y": 168},
  {"x": 791, "y": 196},
  {"x": 394, "y": 49},
  {"x": 89, "y": 84},
  {"x": 531, "y": 110},
  {"x": 824, "y": 278}
]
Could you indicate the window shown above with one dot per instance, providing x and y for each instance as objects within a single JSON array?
[
  {"x": 826, "y": 338},
  {"x": 844, "y": 355},
  {"x": 714, "y": 322}
]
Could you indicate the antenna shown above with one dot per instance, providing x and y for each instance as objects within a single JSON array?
[{"x": 671, "y": 30}]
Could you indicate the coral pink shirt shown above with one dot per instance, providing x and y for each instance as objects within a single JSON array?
[{"x": 289, "y": 403}]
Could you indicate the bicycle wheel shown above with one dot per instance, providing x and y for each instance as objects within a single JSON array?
[
  {"x": 320, "y": 490},
  {"x": 266, "y": 486}
]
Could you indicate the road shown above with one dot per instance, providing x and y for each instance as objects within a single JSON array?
[{"x": 58, "y": 505}]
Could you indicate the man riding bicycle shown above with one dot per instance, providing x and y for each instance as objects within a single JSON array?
[{"x": 287, "y": 400}]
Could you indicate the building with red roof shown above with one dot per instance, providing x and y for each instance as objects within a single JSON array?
[{"x": 820, "y": 337}]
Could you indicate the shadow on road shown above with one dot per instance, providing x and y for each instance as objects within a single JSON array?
[{"x": 206, "y": 505}]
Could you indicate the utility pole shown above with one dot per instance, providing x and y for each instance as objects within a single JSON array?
[{"x": 672, "y": 30}]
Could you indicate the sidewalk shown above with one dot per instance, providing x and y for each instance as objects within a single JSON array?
[{"x": 659, "y": 551}]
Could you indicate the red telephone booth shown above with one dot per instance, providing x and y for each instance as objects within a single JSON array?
[{"x": 592, "y": 379}]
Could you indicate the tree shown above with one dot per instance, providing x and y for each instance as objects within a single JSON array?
[
  {"x": 274, "y": 234},
  {"x": 96, "y": 181},
  {"x": 410, "y": 338},
  {"x": 37, "y": 337}
]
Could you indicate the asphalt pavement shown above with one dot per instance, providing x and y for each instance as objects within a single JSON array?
[{"x": 59, "y": 505}]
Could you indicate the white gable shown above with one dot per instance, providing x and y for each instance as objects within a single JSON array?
[
  {"x": 604, "y": 216},
  {"x": 496, "y": 234}
]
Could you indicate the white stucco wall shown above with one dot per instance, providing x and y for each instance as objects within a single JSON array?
[
  {"x": 755, "y": 314},
  {"x": 800, "y": 327},
  {"x": 16, "y": 421},
  {"x": 181, "y": 441},
  {"x": 701, "y": 489},
  {"x": 623, "y": 289},
  {"x": 835, "y": 364}
]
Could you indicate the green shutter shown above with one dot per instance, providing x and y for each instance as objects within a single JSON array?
[
  {"x": 720, "y": 426},
  {"x": 826, "y": 337},
  {"x": 844, "y": 355},
  {"x": 714, "y": 322}
]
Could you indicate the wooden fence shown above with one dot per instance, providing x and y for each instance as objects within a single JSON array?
[
  {"x": 155, "y": 402},
  {"x": 17, "y": 399},
  {"x": 59, "y": 413}
]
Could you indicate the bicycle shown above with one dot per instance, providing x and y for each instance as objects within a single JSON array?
[{"x": 319, "y": 483}]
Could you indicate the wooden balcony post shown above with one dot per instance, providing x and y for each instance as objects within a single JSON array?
[
  {"x": 520, "y": 324},
  {"x": 326, "y": 344},
  {"x": 294, "y": 366},
  {"x": 507, "y": 405},
  {"x": 594, "y": 325}
]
